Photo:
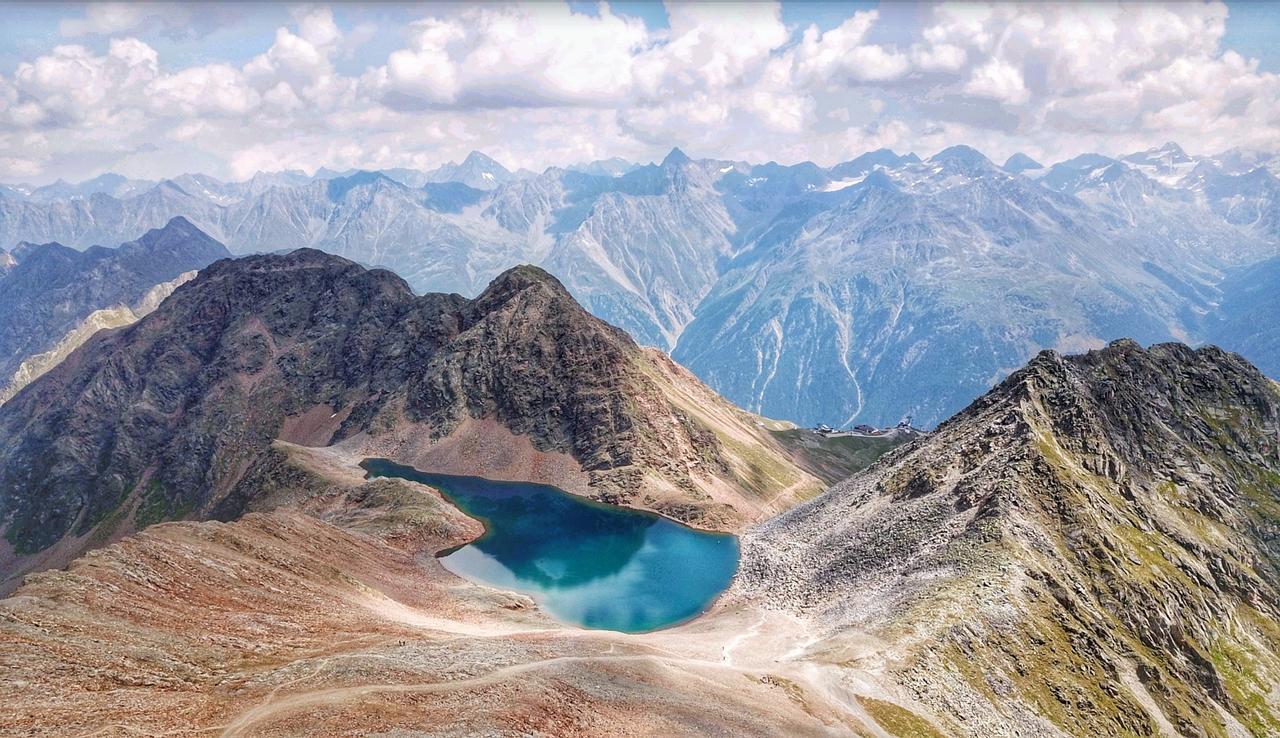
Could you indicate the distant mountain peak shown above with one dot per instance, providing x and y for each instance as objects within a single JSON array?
[
  {"x": 676, "y": 157},
  {"x": 177, "y": 224},
  {"x": 1169, "y": 153},
  {"x": 1020, "y": 162},
  {"x": 961, "y": 154},
  {"x": 864, "y": 163},
  {"x": 177, "y": 227},
  {"x": 477, "y": 170},
  {"x": 480, "y": 159},
  {"x": 339, "y": 186}
]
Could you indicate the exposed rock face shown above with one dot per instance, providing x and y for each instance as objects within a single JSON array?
[
  {"x": 49, "y": 290},
  {"x": 166, "y": 418},
  {"x": 1092, "y": 548}
]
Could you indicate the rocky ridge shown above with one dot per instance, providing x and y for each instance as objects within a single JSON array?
[
  {"x": 168, "y": 418},
  {"x": 1092, "y": 548}
]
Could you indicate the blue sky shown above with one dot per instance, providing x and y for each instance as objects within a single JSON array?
[{"x": 158, "y": 88}]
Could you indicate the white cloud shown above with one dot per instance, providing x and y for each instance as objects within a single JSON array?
[
  {"x": 105, "y": 18},
  {"x": 513, "y": 56},
  {"x": 540, "y": 84},
  {"x": 842, "y": 53},
  {"x": 214, "y": 89},
  {"x": 425, "y": 70},
  {"x": 72, "y": 86},
  {"x": 998, "y": 80}
]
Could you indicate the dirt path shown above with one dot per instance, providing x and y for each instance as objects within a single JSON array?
[{"x": 275, "y": 706}]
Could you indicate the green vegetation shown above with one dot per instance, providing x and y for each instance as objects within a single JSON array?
[
  {"x": 834, "y": 458},
  {"x": 156, "y": 506},
  {"x": 897, "y": 721},
  {"x": 1250, "y": 690}
]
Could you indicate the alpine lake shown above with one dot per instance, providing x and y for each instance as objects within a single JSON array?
[{"x": 584, "y": 562}]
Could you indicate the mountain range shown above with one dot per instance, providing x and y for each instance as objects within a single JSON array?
[
  {"x": 882, "y": 287},
  {"x": 53, "y": 298},
  {"x": 1089, "y": 548}
]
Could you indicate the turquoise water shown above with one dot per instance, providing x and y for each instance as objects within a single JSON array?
[{"x": 585, "y": 563}]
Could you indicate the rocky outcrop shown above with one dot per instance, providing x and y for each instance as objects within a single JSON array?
[
  {"x": 171, "y": 415},
  {"x": 1092, "y": 548}
]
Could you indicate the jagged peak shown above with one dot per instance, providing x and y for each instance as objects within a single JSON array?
[
  {"x": 1093, "y": 378},
  {"x": 675, "y": 157},
  {"x": 480, "y": 159}
]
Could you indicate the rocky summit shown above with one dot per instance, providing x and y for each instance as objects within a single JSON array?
[
  {"x": 175, "y": 416},
  {"x": 1092, "y": 548}
]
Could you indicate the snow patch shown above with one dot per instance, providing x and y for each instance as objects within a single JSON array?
[{"x": 843, "y": 183}]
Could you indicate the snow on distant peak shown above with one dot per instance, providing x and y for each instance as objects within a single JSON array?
[{"x": 842, "y": 184}]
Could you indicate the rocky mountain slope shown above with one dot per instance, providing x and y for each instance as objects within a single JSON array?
[
  {"x": 1089, "y": 549},
  {"x": 915, "y": 290},
  {"x": 332, "y": 617},
  {"x": 52, "y": 297},
  {"x": 778, "y": 284},
  {"x": 173, "y": 417},
  {"x": 116, "y": 316}
]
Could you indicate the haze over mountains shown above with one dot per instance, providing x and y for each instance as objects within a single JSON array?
[
  {"x": 881, "y": 287},
  {"x": 53, "y": 298}
]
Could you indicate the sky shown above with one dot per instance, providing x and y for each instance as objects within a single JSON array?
[{"x": 154, "y": 89}]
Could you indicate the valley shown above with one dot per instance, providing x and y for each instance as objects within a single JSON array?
[{"x": 313, "y": 501}]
